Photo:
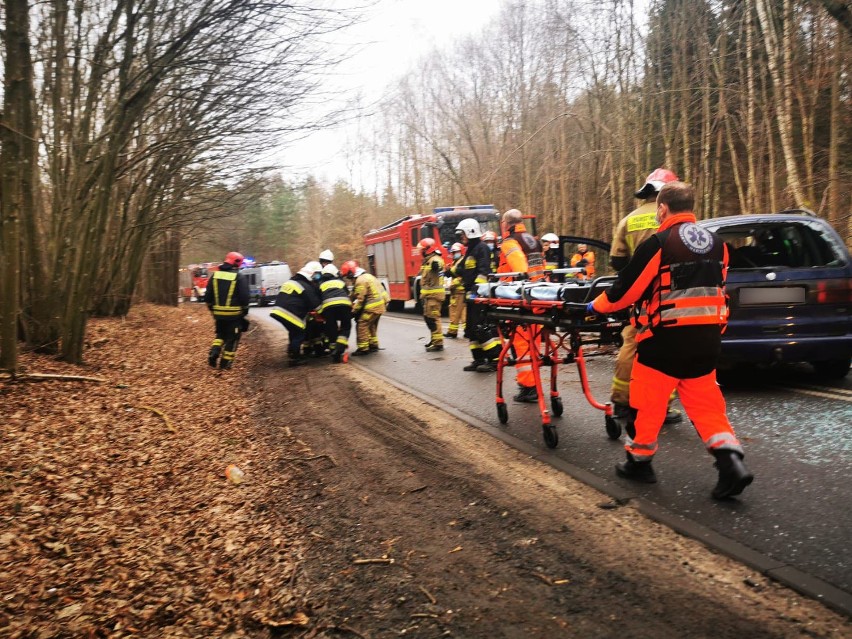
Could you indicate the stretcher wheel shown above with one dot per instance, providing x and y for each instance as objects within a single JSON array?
[
  {"x": 613, "y": 428},
  {"x": 551, "y": 437},
  {"x": 556, "y": 406},
  {"x": 502, "y": 413}
]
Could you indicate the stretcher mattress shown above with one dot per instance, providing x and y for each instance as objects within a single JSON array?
[{"x": 577, "y": 292}]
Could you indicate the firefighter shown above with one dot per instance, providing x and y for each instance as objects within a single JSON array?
[
  {"x": 432, "y": 292},
  {"x": 227, "y": 296},
  {"x": 584, "y": 258},
  {"x": 458, "y": 309},
  {"x": 520, "y": 252},
  {"x": 550, "y": 250},
  {"x": 474, "y": 269},
  {"x": 677, "y": 278},
  {"x": 369, "y": 301},
  {"x": 336, "y": 311},
  {"x": 326, "y": 257},
  {"x": 295, "y": 300},
  {"x": 632, "y": 230},
  {"x": 490, "y": 240}
]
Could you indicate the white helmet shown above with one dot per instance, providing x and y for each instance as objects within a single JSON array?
[
  {"x": 309, "y": 269},
  {"x": 553, "y": 238},
  {"x": 326, "y": 256},
  {"x": 470, "y": 228},
  {"x": 330, "y": 269}
]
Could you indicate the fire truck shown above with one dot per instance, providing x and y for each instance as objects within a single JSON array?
[
  {"x": 392, "y": 252},
  {"x": 193, "y": 280}
]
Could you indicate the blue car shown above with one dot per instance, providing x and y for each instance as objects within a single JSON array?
[{"x": 790, "y": 290}]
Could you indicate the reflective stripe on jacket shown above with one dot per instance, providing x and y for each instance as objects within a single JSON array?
[
  {"x": 334, "y": 293},
  {"x": 431, "y": 278},
  {"x": 224, "y": 285},
  {"x": 368, "y": 295},
  {"x": 296, "y": 298}
]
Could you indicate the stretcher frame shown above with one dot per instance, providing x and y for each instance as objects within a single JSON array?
[{"x": 560, "y": 326}]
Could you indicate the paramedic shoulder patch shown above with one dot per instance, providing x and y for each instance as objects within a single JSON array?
[{"x": 697, "y": 239}]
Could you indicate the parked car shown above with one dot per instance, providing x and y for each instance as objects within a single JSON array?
[
  {"x": 270, "y": 278},
  {"x": 790, "y": 290}
]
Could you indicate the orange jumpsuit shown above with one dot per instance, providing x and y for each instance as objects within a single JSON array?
[
  {"x": 520, "y": 252},
  {"x": 676, "y": 278}
]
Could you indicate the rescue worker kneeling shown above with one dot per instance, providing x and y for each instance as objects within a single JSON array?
[
  {"x": 676, "y": 278},
  {"x": 369, "y": 300},
  {"x": 296, "y": 298},
  {"x": 432, "y": 292},
  {"x": 336, "y": 310}
]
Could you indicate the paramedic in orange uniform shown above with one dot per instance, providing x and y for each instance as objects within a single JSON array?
[
  {"x": 676, "y": 278},
  {"x": 521, "y": 252}
]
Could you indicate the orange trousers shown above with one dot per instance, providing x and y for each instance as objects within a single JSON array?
[
  {"x": 701, "y": 398},
  {"x": 521, "y": 343}
]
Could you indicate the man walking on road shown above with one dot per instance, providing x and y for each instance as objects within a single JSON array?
[
  {"x": 677, "y": 279},
  {"x": 636, "y": 227}
]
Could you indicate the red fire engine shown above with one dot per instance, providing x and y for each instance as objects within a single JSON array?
[
  {"x": 392, "y": 249},
  {"x": 193, "y": 280}
]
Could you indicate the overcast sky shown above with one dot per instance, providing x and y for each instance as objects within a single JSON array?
[{"x": 393, "y": 37}]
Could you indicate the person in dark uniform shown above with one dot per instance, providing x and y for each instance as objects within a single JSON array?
[
  {"x": 336, "y": 311},
  {"x": 296, "y": 298},
  {"x": 227, "y": 296}
]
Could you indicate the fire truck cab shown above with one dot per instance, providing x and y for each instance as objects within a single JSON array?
[{"x": 392, "y": 253}]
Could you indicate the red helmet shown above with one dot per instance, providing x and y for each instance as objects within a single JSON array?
[
  {"x": 347, "y": 269},
  {"x": 426, "y": 245},
  {"x": 234, "y": 259},
  {"x": 654, "y": 182}
]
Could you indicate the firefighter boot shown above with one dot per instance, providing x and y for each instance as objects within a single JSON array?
[
  {"x": 337, "y": 354},
  {"x": 734, "y": 476},
  {"x": 431, "y": 348},
  {"x": 226, "y": 364},
  {"x": 640, "y": 471},
  {"x": 527, "y": 394},
  {"x": 673, "y": 416},
  {"x": 474, "y": 365},
  {"x": 213, "y": 355}
]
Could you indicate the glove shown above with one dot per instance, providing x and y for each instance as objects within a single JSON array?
[
  {"x": 590, "y": 309},
  {"x": 582, "y": 263}
]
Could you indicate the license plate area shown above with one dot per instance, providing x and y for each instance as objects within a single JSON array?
[{"x": 758, "y": 296}]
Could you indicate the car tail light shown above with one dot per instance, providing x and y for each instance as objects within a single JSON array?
[{"x": 834, "y": 292}]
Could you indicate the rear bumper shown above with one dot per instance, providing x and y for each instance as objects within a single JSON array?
[{"x": 786, "y": 349}]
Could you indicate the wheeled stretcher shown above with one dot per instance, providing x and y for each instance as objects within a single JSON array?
[{"x": 552, "y": 321}]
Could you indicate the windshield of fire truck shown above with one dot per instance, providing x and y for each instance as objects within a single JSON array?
[{"x": 448, "y": 228}]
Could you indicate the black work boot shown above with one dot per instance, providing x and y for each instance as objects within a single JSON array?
[
  {"x": 226, "y": 364},
  {"x": 640, "y": 471},
  {"x": 213, "y": 355},
  {"x": 433, "y": 347},
  {"x": 673, "y": 416},
  {"x": 527, "y": 394},
  {"x": 734, "y": 476},
  {"x": 474, "y": 365},
  {"x": 488, "y": 366},
  {"x": 451, "y": 335}
]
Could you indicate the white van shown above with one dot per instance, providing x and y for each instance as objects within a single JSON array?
[{"x": 269, "y": 278}]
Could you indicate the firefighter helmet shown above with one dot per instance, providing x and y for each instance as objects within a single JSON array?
[
  {"x": 654, "y": 182},
  {"x": 458, "y": 247},
  {"x": 348, "y": 268},
  {"x": 427, "y": 245},
  {"x": 553, "y": 238},
  {"x": 309, "y": 269},
  {"x": 326, "y": 256},
  {"x": 234, "y": 259},
  {"x": 330, "y": 269},
  {"x": 489, "y": 236},
  {"x": 469, "y": 228}
]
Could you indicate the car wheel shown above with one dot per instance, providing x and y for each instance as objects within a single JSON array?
[{"x": 833, "y": 368}]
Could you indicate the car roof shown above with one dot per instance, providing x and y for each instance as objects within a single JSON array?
[{"x": 783, "y": 216}]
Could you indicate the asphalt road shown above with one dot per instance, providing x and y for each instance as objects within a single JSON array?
[{"x": 796, "y": 430}]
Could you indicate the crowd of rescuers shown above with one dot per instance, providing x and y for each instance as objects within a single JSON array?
[{"x": 665, "y": 350}]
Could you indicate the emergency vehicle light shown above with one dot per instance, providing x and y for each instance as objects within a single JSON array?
[{"x": 472, "y": 207}]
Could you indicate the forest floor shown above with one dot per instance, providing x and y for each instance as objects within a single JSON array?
[{"x": 363, "y": 512}]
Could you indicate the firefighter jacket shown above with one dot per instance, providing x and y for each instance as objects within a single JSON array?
[
  {"x": 633, "y": 229},
  {"x": 333, "y": 292},
  {"x": 456, "y": 283},
  {"x": 368, "y": 295},
  {"x": 475, "y": 265},
  {"x": 551, "y": 260},
  {"x": 676, "y": 278},
  {"x": 584, "y": 260},
  {"x": 227, "y": 294},
  {"x": 296, "y": 298},
  {"x": 432, "y": 277},
  {"x": 520, "y": 252}
]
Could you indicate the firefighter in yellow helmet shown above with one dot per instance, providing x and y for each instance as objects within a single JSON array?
[
  {"x": 432, "y": 292},
  {"x": 369, "y": 301},
  {"x": 636, "y": 227},
  {"x": 458, "y": 308}
]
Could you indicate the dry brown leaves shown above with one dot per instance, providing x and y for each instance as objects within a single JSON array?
[{"x": 117, "y": 519}]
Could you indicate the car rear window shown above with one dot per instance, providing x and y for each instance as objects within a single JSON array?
[{"x": 781, "y": 244}]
